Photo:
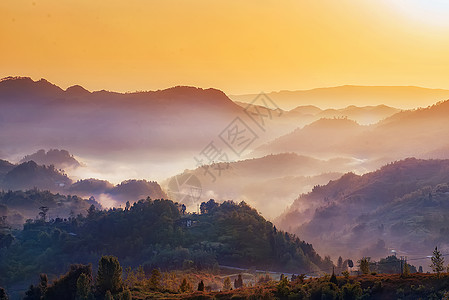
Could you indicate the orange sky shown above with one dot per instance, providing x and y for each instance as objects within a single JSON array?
[{"x": 237, "y": 46}]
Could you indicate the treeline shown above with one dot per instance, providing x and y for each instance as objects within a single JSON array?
[
  {"x": 157, "y": 234},
  {"x": 110, "y": 282}
]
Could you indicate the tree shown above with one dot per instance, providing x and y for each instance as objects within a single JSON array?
[
  {"x": 406, "y": 270},
  {"x": 66, "y": 286},
  {"x": 43, "y": 212},
  {"x": 333, "y": 278},
  {"x": 43, "y": 283},
  {"x": 185, "y": 286},
  {"x": 83, "y": 288},
  {"x": 155, "y": 279},
  {"x": 437, "y": 262},
  {"x": 3, "y": 295},
  {"x": 238, "y": 283},
  {"x": 183, "y": 209},
  {"x": 33, "y": 293},
  {"x": 201, "y": 286},
  {"x": 351, "y": 291},
  {"x": 364, "y": 265},
  {"x": 282, "y": 286},
  {"x": 108, "y": 296},
  {"x": 340, "y": 264},
  {"x": 109, "y": 276},
  {"x": 227, "y": 284},
  {"x": 127, "y": 295},
  {"x": 420, "y": 270}
]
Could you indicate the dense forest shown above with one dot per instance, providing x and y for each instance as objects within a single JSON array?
[{"x": 155, "y": 234}]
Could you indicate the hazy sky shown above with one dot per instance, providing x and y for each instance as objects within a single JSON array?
[{"x": 237, "y": 46}]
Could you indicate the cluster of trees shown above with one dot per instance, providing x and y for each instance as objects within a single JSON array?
[
  {"x": 79, "y": 283},
  {"x": 157, "y": 234},
  {"x": 388, "y": 265}
]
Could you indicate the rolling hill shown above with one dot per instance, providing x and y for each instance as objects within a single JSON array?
[{"x": 402, "y": 206}]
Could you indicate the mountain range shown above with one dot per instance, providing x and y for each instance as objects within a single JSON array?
[
  {"x": 402, "y": 206},
  {"x": 405, "y": 97}
]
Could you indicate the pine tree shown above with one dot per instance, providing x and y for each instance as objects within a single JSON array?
[
  {"x": 109, "y": 276},
  {"x": 406, "y": 270},
  {"x": 43, "y": 283},
  {"x": 420, "y": 270},
  {"x": 333, "y": 278},
  {"x": 238, "y": 283},
  {"x": 155, "y": 279},
  {"x": 201, "y": 286},
  {"x": 3, "y": 295},
  {"x": 83, "y": 288},
  {"x": 437, "y": 262},
  {"x": 227, "y": 284},
  {"x": 185, "y": 286},
  {"x": 364, "y": 265}
]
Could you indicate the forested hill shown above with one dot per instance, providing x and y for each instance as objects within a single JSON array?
[{"x": 160, "y": 234}]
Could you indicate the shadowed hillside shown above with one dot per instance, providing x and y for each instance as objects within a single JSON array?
[{"x": 402, "y": 206}]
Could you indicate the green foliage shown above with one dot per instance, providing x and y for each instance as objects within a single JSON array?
[
  {"x": 227, "y": 284},
  {"x": 364, "y": 265},
  {"x": 406, "y": 270},
  {"x": 155, "y": 280},
  {"x": 83, "y": 287},
  {"x": 126, "y": 295},
  {"x": 333, "y": 278},
  {"x": 185, "y": 286},
  {"x": 66, "y": 286},
  {"x": 109, "y": 276},
  {"x": 351, "y": 291},
  {"x": 437, "y": 262},
  {"x": 283, "y": 286},
  {"x": 155, "y": 234},
  {"x": 325, "y": 290}
]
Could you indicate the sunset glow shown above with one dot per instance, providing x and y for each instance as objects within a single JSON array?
[{"x": 239, "y": 47}]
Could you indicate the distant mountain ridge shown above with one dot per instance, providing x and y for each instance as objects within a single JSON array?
[
  {"x": 342, "y": 96},
  {"x": 59, "y": 158},
  {"x": 102, "y": 124},
  {"x": 408, "y": 133}
]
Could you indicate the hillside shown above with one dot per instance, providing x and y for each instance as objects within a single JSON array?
[
  {"x": 19, "y": 206},
  {"x": 402, "y": 206},
  {"x": 61, "y": 159},
  {"x": 325, "y": 137},
  {"x": 28, "y": 175},
  {"x": 157, "y": 234}
]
